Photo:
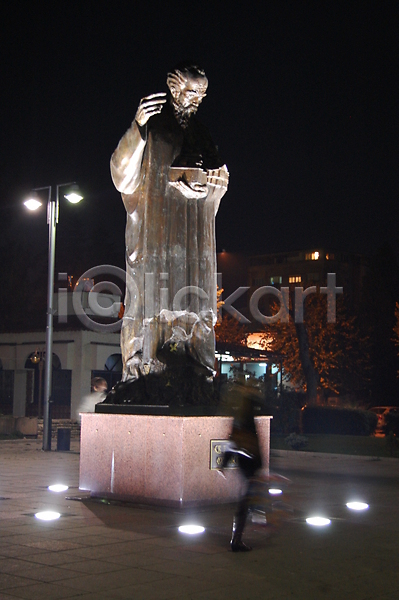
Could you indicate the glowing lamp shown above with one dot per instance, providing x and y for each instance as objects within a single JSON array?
[
  {"x": 74, "y": 196},
  {"x": 32, "y": 203},
  {"x": 318, "y": 521},
  {"x": 357, "y": 505},
  {"x": 58, "y": 487},
  {"x": 47, "y": 515},
  {"x": 191, "y": 529},
  {"x": 275, "y": 491}
]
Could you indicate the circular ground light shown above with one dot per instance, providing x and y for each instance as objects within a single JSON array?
[
  {"x": 191, "y": 529},
  {"x": 58, "y": 487},
  {"x": 357, "y": 505},
  {"x": 318, "y": 521},
  {"x": 47, "y": 515},
  {"x": 275, "y": 491}
]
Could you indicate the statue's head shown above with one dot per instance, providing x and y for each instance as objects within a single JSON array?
[{"x": 187, "y": 85}]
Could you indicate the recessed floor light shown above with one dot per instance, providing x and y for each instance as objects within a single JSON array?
[
  {"x": 318, "y": 521},
  {"x": 191, "y": 529},
  {"x": 357, "y": 505},
  {"x": 275, "y": 491},
  {"x": 47, "y": 515},
  {"x": 58, "y": 487}
]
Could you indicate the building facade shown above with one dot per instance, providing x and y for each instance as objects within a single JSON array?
[
  {"x": 309, "y": 267},
  {"x": 78, "y": 356}
]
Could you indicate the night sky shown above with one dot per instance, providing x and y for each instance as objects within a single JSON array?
[{"x": 302, "y": 103}]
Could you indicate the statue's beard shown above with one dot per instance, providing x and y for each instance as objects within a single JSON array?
[{"x": 183, "y": 113}]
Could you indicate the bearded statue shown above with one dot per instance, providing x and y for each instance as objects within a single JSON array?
[{"x": 172, "y": 179}]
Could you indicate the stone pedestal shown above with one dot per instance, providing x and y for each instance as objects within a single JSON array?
[{"x": 162, "y": 460}]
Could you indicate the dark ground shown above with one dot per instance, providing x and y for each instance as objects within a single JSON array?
[{"x": 97, "y": 551}]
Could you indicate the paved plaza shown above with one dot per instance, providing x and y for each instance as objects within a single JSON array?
[{"x": 99, "y": 550}]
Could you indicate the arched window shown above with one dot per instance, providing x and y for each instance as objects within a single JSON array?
[
  {"x": 35, "y": 358},
  {"x": 60, "y": 389},
  {"x": 114, "y": 363}
]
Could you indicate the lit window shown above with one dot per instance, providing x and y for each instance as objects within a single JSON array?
[
  {"x": 275, "y": 280},
  {"x": 330, "y": 256},
  {"x": 295, "y": 279},
  {"x": 312, "y": 255}
]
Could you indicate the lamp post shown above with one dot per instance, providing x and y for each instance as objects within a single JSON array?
[{"x": 33, "y": 203}]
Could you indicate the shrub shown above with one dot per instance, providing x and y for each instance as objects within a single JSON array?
[
  {"x": 340, "y": 421},
  {"x": 392, "y": 443},
  {"x": 391, "y": 423},
  {"x": 296, "y": 442},
  {"x": 285, "y": 411}
]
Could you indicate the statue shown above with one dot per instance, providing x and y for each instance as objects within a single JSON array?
[{"x": 171, "y": 178}]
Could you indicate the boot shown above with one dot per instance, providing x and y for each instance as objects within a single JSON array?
[{"x": 236, "y": 543}]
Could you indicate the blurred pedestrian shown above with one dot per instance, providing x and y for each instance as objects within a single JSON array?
[
  {"x": 99, "y": 391},
  {"x": 244, "y": 448}
]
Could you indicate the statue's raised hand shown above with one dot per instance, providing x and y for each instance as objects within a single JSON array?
[{"x": 149, "y": 106}]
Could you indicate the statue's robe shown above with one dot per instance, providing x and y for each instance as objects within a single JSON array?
[{"x": 170, "y": 242}]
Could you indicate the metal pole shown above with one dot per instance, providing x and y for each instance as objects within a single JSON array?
[
  {"x": 52, "y": 209},
  {"x": 39, "y": 402}
]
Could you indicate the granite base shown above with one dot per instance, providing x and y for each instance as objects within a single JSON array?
[{"x": 155, "y": 459}]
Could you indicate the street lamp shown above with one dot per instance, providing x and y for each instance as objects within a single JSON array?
[{"x": 33, "y": 203}]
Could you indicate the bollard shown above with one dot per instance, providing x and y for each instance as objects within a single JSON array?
[{"x": 63, "y": 440}]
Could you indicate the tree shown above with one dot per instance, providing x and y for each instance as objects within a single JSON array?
[
  {"x": 323, "y": 356},
  {"x": 396, "y": 330},
  {"x": 227, "y": 329},
  {"x": 230, "y": 331},
  {"x": 377, "y": 317},
  {"x": 308, "y": 367}
]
